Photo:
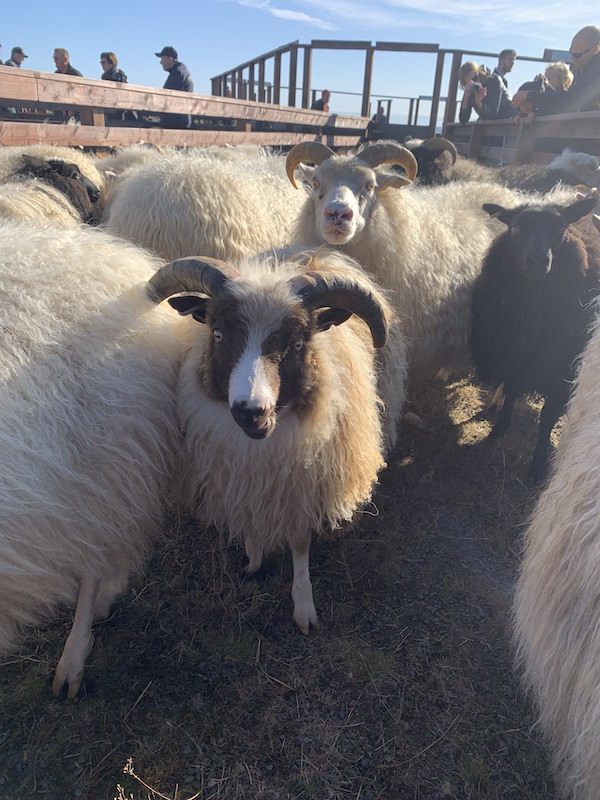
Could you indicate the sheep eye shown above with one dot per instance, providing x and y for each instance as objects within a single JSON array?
[
  {"x": 298, "y": 344},
  {"x": 218, "y": 335},
  {"x": 370, "y": 186}
]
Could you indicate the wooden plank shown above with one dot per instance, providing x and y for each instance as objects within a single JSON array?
[
  {"x": 277, "y": 78},
  {"x": 293, "y": 75},
  {"x": 90, "y": 136},
  {"x": 18, "y": 84},
  {"x": 437, "y": 87},
  {"x": 366, "y": 97},
  {"x": 306, "y": 77},
  {"x": 450, "y": 113},
  {"x": 334, "y": 44},
  {"x": 407, "y": 47}
]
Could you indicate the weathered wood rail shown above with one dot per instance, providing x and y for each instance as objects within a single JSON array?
[
  {"x": 504, "y": 141},
  {"x": 33, "y": 102}
]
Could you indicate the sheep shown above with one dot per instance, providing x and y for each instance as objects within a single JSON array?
[
  {"x": 87, "y": 426},
  {"x": 426, "y": 244},
  {"x": 532, "y": 309},
  {"x": 555, "y": 610},
  {"x": 223, "y": 206},
  {"x": 11, "y": 160},
  {"x": 435, "y": 158},
  {"x": 41, "y": 185},
  {"x": 277, "y": 398}
]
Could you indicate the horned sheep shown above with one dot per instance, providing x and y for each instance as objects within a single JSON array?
[
  {"x": 88, "y": 426},
  {"x": 532, "y": 307},
  {"x": 278, "y": 399},
  {"x": 556, "y": 614},
  {"x": 425, "y": 244}
]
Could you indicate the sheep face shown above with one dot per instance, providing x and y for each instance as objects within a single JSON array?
[
  {"x": 537, "y": 232},
  {"x": 344, "y": 193},
  {"x": 259, "y": 359},
  {"x": 67, "y": 178},
  {"x": 582, "y": 167}
]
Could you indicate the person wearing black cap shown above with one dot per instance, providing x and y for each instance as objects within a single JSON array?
[
  {"x": 179, "y": 79},
  {"x": 17, "y": 56}
]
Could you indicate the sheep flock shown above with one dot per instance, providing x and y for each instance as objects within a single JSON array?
[{"x": 235, "y": 336}]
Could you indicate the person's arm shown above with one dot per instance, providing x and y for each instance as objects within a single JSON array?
[{"x": 466, "y": 106}]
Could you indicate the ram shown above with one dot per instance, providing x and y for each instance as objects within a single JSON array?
[
  {"x": 556, "y": 612},
  {"x": 425, "y": 244},
  {"x": 87, "y": 426},
  {"x": 532, "y": 307},
  {"x": 220, "y": 204},
  {"x": 278, "y": 399}
]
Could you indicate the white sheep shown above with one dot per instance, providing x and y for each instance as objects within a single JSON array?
[
  {"x": 51, "y": 184},
  {"x": 219, "y": 203},
  {"x": 278, "y": 399},
  {"x": 426, "y": 244},
  {"x": 556, "y": 610},
  {"x": 87, "y": 426}
]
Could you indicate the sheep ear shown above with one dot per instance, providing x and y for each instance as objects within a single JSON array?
[
  {"x": 331, "y": 316},
  {"x": 391, "y": 180},
  {"x": 578, "y": 210},
  {"x": 505, "y": 215},
  {"x": 190, "y": 304}
]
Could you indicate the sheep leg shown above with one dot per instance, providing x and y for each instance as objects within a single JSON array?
[
  {"x": 553, "y": 409},
  {"x": 305, "y": 613},
  {"x": 69, "y": 670},
  {"x": 504, "y": 417},
  {"x": 110, "y": 589}
]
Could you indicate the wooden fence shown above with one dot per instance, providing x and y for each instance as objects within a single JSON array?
[{"x": 38, "y": 107}]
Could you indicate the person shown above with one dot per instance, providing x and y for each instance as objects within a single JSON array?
[
  {"x": 323, "y": 103},
  {"x": 63, "y": 66},
  {"x": 506, "y": 61},
  {"x": 584, "y": 94},
  {"x": 545, "y": 94},
  {"x": 484, "y": 92},
  {"x": 108, "y": 62},
  {"x": 17, "y": 56},
  {"x": 179, "y": 79}
]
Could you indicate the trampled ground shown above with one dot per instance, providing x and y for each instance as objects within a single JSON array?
[{"x": 406, "y": 692}]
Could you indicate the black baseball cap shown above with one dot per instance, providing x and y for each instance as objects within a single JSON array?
[
  {"x": 167, "y": 51},
  {"x": 19, "y": 51}
]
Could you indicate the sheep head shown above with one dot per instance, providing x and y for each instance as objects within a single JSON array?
[
  {"x": 344, "y": 189},
  {"x": 536, "y": 232},
  {"x": 435, "y": 156},
  {"x": 581, "y": 167},
  {"x": 67, "y": 178},
  {"x": 259, "y": 357}
]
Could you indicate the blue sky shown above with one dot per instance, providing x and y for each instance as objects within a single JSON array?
[{"x": 213, "y": 36}]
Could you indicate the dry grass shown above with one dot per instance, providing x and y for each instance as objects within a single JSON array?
[{"x": 406, "y": 691}]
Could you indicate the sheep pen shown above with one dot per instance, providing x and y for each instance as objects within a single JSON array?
[{"x": 406, "y": 691}]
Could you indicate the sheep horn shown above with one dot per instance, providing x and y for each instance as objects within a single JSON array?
[
  {"x": 303, "y": 152},
  {"x": 439, "y": 143},
  {"x": 320, "y": 291},
  {"x": 375, "y": 154},
  {"x": 203, "y": 274}
]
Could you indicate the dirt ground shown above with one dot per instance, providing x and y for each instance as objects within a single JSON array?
[{"x": 406, "y": 692}]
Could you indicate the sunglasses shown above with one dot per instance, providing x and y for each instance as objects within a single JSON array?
[{"x": 579, "y": 55}]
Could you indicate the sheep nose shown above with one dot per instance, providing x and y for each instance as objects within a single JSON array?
[
  {"x": 245, "y": 416},
  {"x": 335, "y": 214}
]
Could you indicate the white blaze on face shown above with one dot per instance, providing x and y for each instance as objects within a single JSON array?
[{"x": 249, "y": 381}]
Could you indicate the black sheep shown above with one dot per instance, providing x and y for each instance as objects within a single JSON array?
[{"x": 532, "y": 309}]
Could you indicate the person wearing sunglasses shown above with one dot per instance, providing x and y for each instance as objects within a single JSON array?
[
  {"x": 110, "y": 70},
  {"x": 584, "y": 94}
]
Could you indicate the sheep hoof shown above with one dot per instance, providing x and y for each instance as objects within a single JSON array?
[
  {"x": 305, "y": 617},
  {"x": 67, "y": 680}
]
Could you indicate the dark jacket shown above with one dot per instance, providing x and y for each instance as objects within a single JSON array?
[
  {"x": 10, "y": 63},
  {"x": 114, "y": 74},
  {"x": 584, "y": 94},
  {"x": 545, "y": 100},
  {"x": 179, "y": 78},
  {"x": 69, "y": 71},
  {"x": 496, "y": 104}
]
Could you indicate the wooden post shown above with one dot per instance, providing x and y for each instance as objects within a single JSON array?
[
  {"x": 411, "y": 107},
  {"x": 366, "y": 99},
  {"x": 215, "y": 84},
  {"x": 251, "y": 91},
  {"x": 417, "y": 104},
  {"x": 261, "y": 80},
  {"x": 277, "y": 78},
  {"x": 293, "y": 75},
  {"x": 239, "y": 80},
  {"x": 306, "y": 76},
  {"x": 452, "y": 90},
  {"x": 437, "y": 86},
  {"x": 92, "y": 116}
]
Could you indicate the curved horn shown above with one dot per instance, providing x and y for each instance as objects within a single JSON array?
[
  {"x": 439, "y": 143},
  {"x": 202, "y": 274},
  {"x": 375, "y": 154},
  {"x": 306, "y": 151},
  {"x": 326, "y": 291}
]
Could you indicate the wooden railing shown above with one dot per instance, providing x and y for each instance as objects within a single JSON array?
[
  {"x": 505, "y": 141},
  {"x": 31, "y": 103}
]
